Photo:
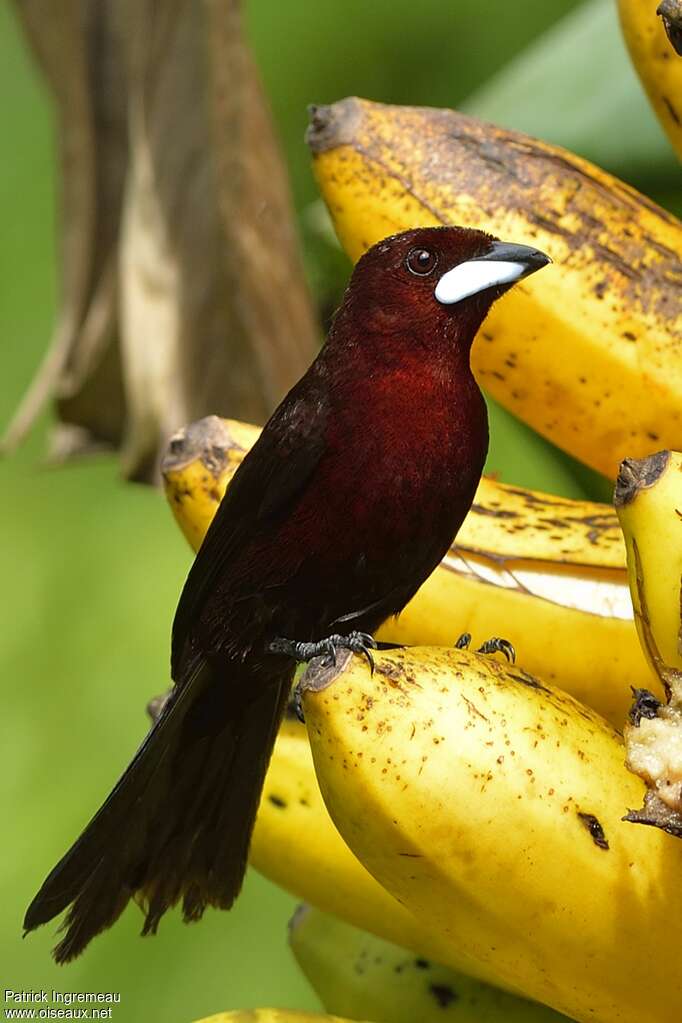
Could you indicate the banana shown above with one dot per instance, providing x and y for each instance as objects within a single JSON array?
[
  {"x": 589, "y": 355},
  {"x": 296, "y": 846},
  {"x": 490, "y": 804},
  {"x": 197, "y": 465},
  {"x": 270, "y": 1016},
  {"x": 654, "y": 58},
  {"x": 545, "y": 572},
  {"x": 357, "y": 975},
  {"x": 648, "y": 500}
]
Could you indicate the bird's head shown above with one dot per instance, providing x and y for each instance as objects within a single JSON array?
[{"x": 436, "y": 282}]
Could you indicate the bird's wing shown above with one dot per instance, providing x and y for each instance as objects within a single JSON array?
[{"x": 260, "y": 496}]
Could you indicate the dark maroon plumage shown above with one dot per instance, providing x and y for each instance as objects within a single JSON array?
[{"x": 346, "y": 503}]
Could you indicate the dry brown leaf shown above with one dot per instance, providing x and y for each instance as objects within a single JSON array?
[{"x": 182, "y": 286}]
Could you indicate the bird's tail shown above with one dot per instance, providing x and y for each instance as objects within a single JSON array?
[{"x": 178, "y": 823}]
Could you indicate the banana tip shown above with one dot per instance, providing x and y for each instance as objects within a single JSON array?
[
  {"x": 332, "y": 124},
  {"x": 208, "y": 439},
  {"x": 635, "y": 474},
  {"x": 670, "y": 12}
]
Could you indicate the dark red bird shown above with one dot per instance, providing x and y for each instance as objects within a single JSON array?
[{"x": 347, "y": 502}]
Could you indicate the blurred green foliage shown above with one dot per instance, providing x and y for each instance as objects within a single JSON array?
[{"x": 91, "y": 568}]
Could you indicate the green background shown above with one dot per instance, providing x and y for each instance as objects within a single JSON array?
[{"x": 91, "y": 567}]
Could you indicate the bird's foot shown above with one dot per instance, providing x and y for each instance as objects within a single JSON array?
[
  {"x": 645, "y": 706},
  {"x": 357, "y": 642},
  {"x": 494, "y": 645}
]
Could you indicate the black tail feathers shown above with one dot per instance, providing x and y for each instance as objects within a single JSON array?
[{"x": 177, "y": 825}]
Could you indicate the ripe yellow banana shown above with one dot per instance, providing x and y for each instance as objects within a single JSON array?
[
  {"x": 490, "y": 804},
  {"x": 358, "y": 975},
  {"x": 648, "y": 500},
  {"x": 545, "y": 572},
  {"x": 296, "y": 846},
  {"x": 589, "y": 354},
  {"x": 658, "y": 65}
]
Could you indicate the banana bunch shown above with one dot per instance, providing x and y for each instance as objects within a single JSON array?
[
  {"x": 589, "y": 355},
  {"x": 358, "y": 975},
  {"x": 648, "y": 500},
  {"x": 545, "y": 572},
  {"x": 490, "y": 805},
  {"x": 654, "y": 39}
]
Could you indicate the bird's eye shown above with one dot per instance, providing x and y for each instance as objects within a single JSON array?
[{"x": 421, "y": 261}]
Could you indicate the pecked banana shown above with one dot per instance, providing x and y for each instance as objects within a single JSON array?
[
  {"x": 490, "y": 804},
  {"x": 588, "y": 356},
  {"x": 545, "y": 572},
  {"x": 652, "y": 50},
  {"x": 648, "y": 500},
  {"x": 358, "y": 975}
]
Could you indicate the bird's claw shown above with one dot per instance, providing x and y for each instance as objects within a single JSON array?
[
  {"x": 356, "y": 642},
  {"x": 494, "y": 645},
  {"x": 646, "y": 705}
]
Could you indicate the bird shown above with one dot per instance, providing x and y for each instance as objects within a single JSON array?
[{"x": 348, "y": 500}]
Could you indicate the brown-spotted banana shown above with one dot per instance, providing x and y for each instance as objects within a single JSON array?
[
  {"x": 545, "y": 572},
  {"x": 490, "y": 804},
  {"x": 587, "y": 354}
]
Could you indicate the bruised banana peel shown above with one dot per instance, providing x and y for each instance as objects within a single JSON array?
[
  {"x": 655, "y": 59},
  {"x": 545, "y": 572},
  {"x": 490, "y": 804},
  {"x": 589, "y": 354},
  {"x": 648, "y": 499}
]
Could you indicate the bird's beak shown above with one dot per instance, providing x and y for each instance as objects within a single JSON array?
[{"x": 505, "y": 263}]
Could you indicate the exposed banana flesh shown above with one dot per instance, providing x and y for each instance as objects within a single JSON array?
[
  {"x": 546, "y": 573},
  {"x": 358, "y": 975},
  {"x": 648, "y": 500},
  {"x": 658, "y": 64},
  {"x": 589, "y": 354},
  {"x": 490, "y": 804}
]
